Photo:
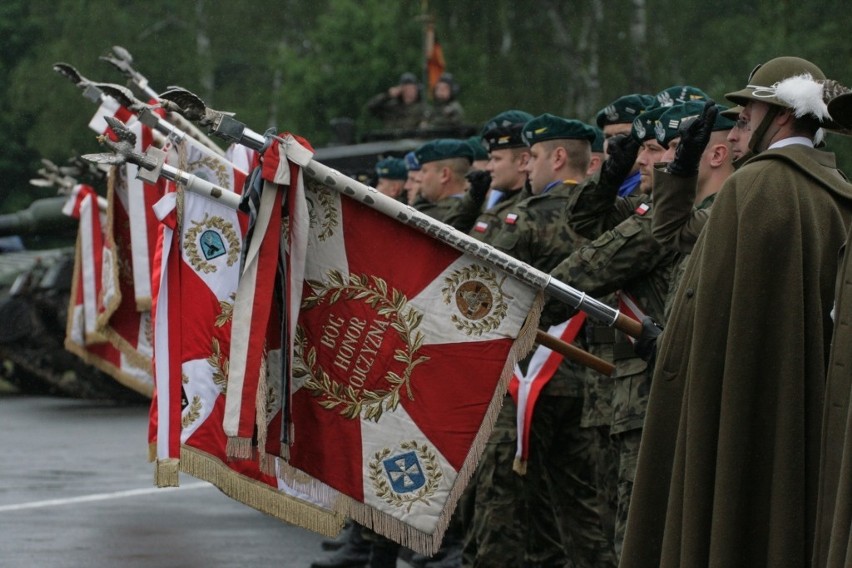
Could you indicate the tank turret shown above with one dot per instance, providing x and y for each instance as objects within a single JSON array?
[{"x": 43, "y": 216}]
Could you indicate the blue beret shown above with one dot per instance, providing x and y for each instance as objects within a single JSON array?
[{"x": 411, "y": 162}]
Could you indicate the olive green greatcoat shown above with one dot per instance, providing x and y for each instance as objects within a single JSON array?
[
  {"x": 833, "y": 534},
  {"x": 727, "y": 472}
]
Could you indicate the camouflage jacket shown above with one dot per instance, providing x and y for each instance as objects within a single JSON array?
[
  {"x": 442, "y": 210},
  {"x": 394, "y": 114},
  {"x": 677, "y": 223},
  {"x": 471, "y": 218},
  {"x": 598, "y": 208},
  {"x": 534, "y": 231},
  {"x": 627, "y": 259}
]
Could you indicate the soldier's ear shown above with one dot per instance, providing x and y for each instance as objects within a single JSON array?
[
  {"x": 719, "y": 154},
  {"x": 523, "y": 159}
]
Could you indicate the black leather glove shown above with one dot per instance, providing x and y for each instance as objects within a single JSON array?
[
  {"x": 480, "y": 183},
  {"x": 646, "y": 345},
  {"x": 694, "y": 137},
  {"x": 622, "y": 150}
]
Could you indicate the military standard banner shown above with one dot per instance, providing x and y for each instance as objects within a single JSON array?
[{"x": 402, "y": 350}]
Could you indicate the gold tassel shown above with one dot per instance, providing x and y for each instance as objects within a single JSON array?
[
  {"x": 258, "y": 495},
  {"x": 166, "y": 473},
  {"x": 520, "y": 466},
  {"x": 239, "y": 448}
]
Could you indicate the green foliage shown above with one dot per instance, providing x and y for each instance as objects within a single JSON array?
[{"x": 296, "y": 65}]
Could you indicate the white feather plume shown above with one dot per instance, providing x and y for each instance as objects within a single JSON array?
[{"x": 804, "y": 95}]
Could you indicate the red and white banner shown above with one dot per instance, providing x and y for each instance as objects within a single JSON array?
[
  {"x": 525, "y": 388},
  {"x": 402, "y": 350},
  {"x": 126, "y": 356},
  {"x": 197, "y": 273}
]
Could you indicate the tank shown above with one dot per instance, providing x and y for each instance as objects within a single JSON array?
[{"x": 35, "y": 289}]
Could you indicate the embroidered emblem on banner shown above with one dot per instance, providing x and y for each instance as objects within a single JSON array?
[
  {"x": 209, "y": 239},
  {"x": 338, "y": 369},
  {"x": 322, "y": 211},
  {"x": 208, "y": 168},
  {"x": 405, "y": 478},
  {"x": 478, "y": 297}
]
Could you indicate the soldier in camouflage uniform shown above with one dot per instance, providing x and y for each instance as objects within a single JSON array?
[
  {"x": 412, "y": 181},
  {"x": 560, "y": 477},
  {"x": 400, "y": 107},
  {"x": 391, "y": 175},
  {"x": 683, "y": 199},
  {"x": 443, "y": 166},
  {"x": 616, "y": 119},
  {"x": 624, "y": 258},
  {"x": 481, "y": 210}
]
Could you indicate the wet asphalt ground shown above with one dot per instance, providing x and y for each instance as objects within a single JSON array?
[{"x": 76, "y": 490}]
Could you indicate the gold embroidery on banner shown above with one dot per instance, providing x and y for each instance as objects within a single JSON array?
[
  {"x": 389, "y": 304},
  {"x": 322, "y": 200},
  {"x": 224, "y": 228},
  {"x": 213, "y": 164},
  {"x": 192, "y": 414},
  {"x": 220, "y": 366},
  {"x": 431, "y": 471},
  {"x": 478, "y": 297},
  {"x": 226, "y": 308}
]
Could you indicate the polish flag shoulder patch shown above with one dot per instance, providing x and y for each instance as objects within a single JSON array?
[
  {"x": 480, "y": 227},
  {"x": 642, "y": 209},
  {"x": 511, "y": 218}
]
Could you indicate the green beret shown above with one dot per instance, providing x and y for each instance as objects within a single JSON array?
[
  {"x": 674, "y": 118},
  {"x": 392, "y": 168},
  {"x": 443, "y": 149},
  {"x": 643, "y": 127},
  {"x": 598, "y": 144},
  {"x": 550, "y": 127},
  {"x": 623, "y": 110},
  {"x": 477, "y": 145},
  {"x": 504, "y": 130},
  {"x": 678, "y": 94},
  {"x": 733, "y": 113}
]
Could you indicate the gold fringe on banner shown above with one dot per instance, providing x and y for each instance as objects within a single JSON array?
[
  {"x": 166, "y": 473},
  {"x": 394, "y": 528},
  {"x": 259, "y": 495},
  {"x": 239, "y": 448}
]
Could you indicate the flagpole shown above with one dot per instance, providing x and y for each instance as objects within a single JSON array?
[{"x": 224, "y": 125}]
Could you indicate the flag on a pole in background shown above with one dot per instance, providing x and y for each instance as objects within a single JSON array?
[
  {"x": 85, "y": 336},
  {"x": 435, "y": 64}
]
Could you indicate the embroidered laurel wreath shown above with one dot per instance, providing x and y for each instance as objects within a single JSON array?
[
  {"x": 432, "y": 471},
  {"x": 497, "y": 311},
  {"x": 190, "y": 245},
  {"x": 390, "y": 304},
  {"x": 325, "y": 201}
]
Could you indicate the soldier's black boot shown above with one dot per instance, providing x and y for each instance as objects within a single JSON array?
[
  {"x": 383, "y": 554},
  {"x": 340, "y": 540},
  {"x": 354, "y": 553}
]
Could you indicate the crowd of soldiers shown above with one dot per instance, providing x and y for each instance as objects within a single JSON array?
[{"x": 724, "y": 436}]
